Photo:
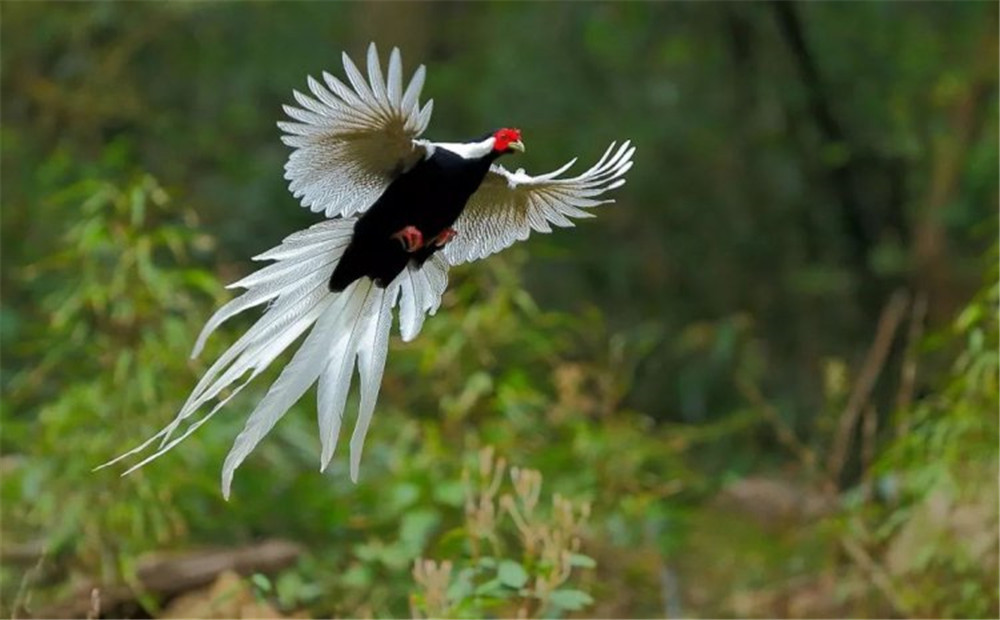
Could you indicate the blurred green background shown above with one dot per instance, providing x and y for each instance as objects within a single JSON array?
[{"x": 770, "y": 369}]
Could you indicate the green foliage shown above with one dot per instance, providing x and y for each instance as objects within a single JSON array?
[
  {"x": 529, "y": 578},
  {"x": 104, "y": 342},
  {"x": 749, "y": 244},
  {"x": 940, "y": 523}
]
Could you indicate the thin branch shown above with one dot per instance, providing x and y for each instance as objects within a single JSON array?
[
  {"x": 880, "y": 578},
  {"x": 95, "y": 604},
  {"x": 869, "y": 435},
  {"x": 784, "y": 433},
  {"x": 892, "y": 316},
  {"x": 908, "y": 373},
  {"x": 22, "y": 600}
]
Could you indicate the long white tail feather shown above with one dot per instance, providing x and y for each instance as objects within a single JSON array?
[
  {"x": 261, "y": 356},
  {"x": 296, "y": 248},
  {"x": 349, "y": 329},
  {"x": 340, "y": 363},
  {"x": 258, "y": 358},
  {"x": 295, "y": 379},
  {"x": 287, "y": 271},
  {"x": 285, "y": 310},
  {"x": 435, "y": 272},
  {"x": 252, "y": 298},
  {"x": 305, "y": 242},
  {"x": 256, "y": 349},
  {"x": 331, "y": 398},
  {"x": 372, "y": 351},
  {"x": 409, "y": 307},
  {"x": 422, "y": 289}
]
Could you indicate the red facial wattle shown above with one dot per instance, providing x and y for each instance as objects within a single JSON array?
[{"x": 504, "y": 138}]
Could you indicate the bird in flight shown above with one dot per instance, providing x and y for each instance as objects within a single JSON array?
[{"x": 401, "y": 211}]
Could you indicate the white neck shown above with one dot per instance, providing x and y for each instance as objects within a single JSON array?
[{"x": 469, "y": 150}]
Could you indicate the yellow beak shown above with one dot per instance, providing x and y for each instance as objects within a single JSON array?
[{"x": 517, "y": 146}]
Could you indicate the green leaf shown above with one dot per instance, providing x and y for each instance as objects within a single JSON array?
[
  {"x": 416, "y": 527},
  {"x": 570, "y": 600},
  {"x": 583, "y": 561},
  {"x": 450, "y": 493},
  {"x": 461, "y": 588},
  {"x": 261, "y": 582},
  {"x": 403, "y": 496},
  {"x": 357, "y": 576},
  {"x": 493, "y": 587},
  {"x": 512, "y": 574}
]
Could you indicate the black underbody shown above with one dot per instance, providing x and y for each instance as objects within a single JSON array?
[{"x": 429, "y": 196}]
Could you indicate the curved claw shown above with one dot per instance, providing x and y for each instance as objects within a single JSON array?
[
  {"x": 444, "y": 237},
  {"x": 411, "y": 238}
]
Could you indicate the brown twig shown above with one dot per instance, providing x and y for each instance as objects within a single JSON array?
[
  {"x": 785, "y": 434},
  {"x": 891, "y": 317},
  {"x": 95, "y": 604},
  {"x": 878, "y": 574},
  {"x": 908, "y": 373},
  {"x": 22, "y": 599},
  {"x": 869, "y": 434}
]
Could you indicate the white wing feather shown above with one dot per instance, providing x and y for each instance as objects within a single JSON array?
[
  {"x": 509, "y": 205},
  {"x": 351, "y": 141}
]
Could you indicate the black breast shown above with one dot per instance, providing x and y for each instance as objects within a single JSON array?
[{"x": 429, "y": 196}]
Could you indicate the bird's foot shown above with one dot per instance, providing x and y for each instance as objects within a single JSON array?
[
  {"x": 444, "y": 237},
  {"x": 411, "y": 238}
]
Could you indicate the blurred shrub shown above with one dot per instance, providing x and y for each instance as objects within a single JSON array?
[
  {"x": 493, "y": 576},
  {"x": 933, "y": 521},
  {"x": 117, "y": 309}
]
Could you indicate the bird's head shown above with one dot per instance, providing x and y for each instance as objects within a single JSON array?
[{"x": 507, "y": 141}]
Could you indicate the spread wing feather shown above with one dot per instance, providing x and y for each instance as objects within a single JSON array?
[
  {"x": 509, "y": 205},
  {"x": 351, "y": 141}
]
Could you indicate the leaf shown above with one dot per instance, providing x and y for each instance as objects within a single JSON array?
[
  {"x": 357, "y": 576},
  {"x": 261, "y": 582},
  {"x": 570, "y": 600},
  {"x": 461, "y": 588},
  {"x": 416, "y": 527},
  {"x": 450, "y": 493},
  {"x": 583, "y": 561},
  {"x": 512, "y": 574},
  {"x": 452, "y": 540},
  {"x": 403, "y": 496},
  {"x": 493, "y": 587}
]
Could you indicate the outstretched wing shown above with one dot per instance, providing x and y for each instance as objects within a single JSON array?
[
  {"x": 350, "y": 142},
  {"x": 509, "y": 205}
]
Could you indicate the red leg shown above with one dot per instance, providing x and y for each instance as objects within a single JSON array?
[
  {"x": 411, "y": 238},
  {"x": 444, "y": 237}
]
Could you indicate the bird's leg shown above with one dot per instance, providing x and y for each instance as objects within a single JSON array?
[
  {"x": 411, "y": 238},
  {"x": 444, "y": 237}
]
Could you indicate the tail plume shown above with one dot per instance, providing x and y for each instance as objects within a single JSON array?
[{"x": 348, "y": 328}]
